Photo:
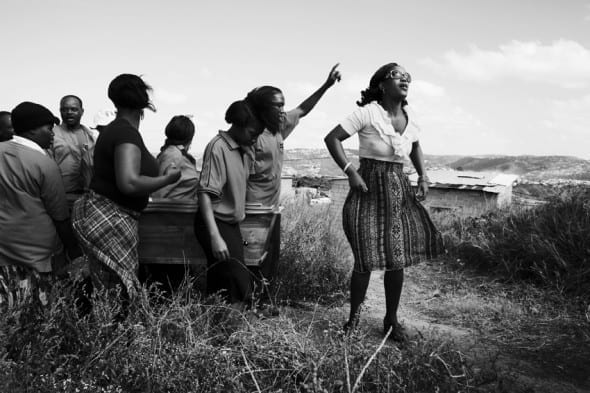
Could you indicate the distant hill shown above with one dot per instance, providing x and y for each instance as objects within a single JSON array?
[{"x": 317, "y": 162}]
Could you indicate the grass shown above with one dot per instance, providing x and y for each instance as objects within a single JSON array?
[
  {"x": 185, "y": 344},
  {"x": 546, "y": 245},
  {"x": 315, "y": 260}
]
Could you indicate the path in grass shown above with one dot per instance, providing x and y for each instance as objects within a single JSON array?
[{"x": 522, "y": 342}]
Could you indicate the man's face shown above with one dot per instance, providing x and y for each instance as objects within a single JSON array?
[
  {"x": 71, "y": 112},
  {"x": 6, "y": 130},
  {"x": 43, "y": 136}
]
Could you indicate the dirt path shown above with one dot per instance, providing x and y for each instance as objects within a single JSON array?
[{"x": 497, "y": 349}]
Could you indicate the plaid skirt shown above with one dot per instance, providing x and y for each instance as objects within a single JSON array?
[
  {"x": 387, "y": 228},
  {"x": 108, "y": 235}
]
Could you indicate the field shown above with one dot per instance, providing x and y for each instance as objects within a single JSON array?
[{"x": 507, "y": 310}]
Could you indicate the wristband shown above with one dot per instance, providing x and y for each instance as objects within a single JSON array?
[
  {"x": 422, "y": 179},
  {"x": 348, "y": 164}
]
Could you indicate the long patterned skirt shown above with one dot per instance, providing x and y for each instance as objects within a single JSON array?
[
  {"x": 387, "y": 228},
  {"x": 108, "y": 235}
]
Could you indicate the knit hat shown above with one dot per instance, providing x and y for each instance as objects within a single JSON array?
[{"x": 27, "y": 116}]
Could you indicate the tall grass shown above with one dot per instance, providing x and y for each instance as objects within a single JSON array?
[
  {"x": 316, "y": 260},
  {"x": 548, "y": 245},
  {"x": 188, "y": 345}
]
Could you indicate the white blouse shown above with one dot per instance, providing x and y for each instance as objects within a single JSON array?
[{"x": 378, "y": 139}]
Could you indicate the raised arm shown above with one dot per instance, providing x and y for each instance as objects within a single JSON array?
[
  {"x": 309, "y": 103},
  {"x": 334, "y": 144},
  {"x": 127, "y": 172},
  {"x": 418, "y": 161}
]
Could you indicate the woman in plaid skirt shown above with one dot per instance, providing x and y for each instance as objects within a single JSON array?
[
  {"x": 384, "y": 222},
  {"x": 105, "y": 219}
]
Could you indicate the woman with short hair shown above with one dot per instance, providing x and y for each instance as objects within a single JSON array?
[{"x": 106, "y": 218}]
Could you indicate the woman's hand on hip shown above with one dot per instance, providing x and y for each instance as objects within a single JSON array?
[{"x": 356, "y": 181}]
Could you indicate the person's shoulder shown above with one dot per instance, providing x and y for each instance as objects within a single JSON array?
[{"x": 170, "y": 153}]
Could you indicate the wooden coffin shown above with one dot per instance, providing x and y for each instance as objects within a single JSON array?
[{"x": 166, "y": 235}]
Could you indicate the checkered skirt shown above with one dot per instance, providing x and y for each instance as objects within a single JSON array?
[
  {"x": 108, "y": 235},
  {"x": 387, "y": 228}
]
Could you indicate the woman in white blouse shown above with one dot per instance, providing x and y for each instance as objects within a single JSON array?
[{"x": 384, "y": 222}]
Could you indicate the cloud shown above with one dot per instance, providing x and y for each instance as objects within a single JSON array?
[
  {"x": 570, "y": 117},
  {"x": 564, "y": 63}
]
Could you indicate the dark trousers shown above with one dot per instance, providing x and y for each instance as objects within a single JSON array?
[{"x": 231, "y": 277}]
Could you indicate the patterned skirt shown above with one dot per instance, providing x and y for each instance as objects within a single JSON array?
[
  {"x": 387, "y": 228},
  {"x": 108, "y": 235}
]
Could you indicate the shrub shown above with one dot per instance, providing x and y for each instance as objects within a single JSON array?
[
  {"x": 315, "y": 260},
  {"x": 547, "y": 245}
]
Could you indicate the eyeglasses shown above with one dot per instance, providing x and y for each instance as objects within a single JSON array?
[{"x": 396, "y": 74}]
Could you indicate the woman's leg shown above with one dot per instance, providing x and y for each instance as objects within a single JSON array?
[
  {"x": 358, "y": 289},
  {"x": 393, "y": 282}
]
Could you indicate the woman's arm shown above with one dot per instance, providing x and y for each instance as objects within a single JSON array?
[
  {"x": 418, "y": 161},
  {"x": 218, "y": 245},
  {"x": 334, "y": 143},
  {"x": 127, "y": 169}
]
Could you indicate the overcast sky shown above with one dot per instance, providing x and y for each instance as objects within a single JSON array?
[{"x": 489, "y": 77}]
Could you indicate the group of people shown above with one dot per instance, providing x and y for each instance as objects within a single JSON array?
[{"x": 75, "y": 194}]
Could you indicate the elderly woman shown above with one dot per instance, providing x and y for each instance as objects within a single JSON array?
[
  {"x": 105, "y": 219},
  {"x": 179, "y": 136},
  {"x": 386, "y": 226},
  {"x": 222, "y": 200}
]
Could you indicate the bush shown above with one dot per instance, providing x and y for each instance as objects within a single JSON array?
[
  {"x": 315, "y": 260},
  {"x": 547, "y": 245}
]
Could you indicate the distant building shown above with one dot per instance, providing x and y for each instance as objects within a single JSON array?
[{"x": 465, "y": 193}]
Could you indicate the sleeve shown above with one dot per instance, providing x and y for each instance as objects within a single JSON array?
[
  {"x": 53, "y": 193},
  {"x": 356, "y": 121},
  {"x": 213, "y": 172},
  {"x": 167, "y": 157},
  {"x": 291, "y": 121},
  {"x": 127, "y": 134}
]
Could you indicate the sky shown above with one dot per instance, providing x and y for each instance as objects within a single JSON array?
[{"x": 489, "y": 77}]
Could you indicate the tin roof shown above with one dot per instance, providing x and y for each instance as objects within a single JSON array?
[{"x": 466, "y": 180}]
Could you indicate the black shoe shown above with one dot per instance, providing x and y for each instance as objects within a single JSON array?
[
  {"x": 350, "y": 326},
  {"x": 398, "y": 333}
]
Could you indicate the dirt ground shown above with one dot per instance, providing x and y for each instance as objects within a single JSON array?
[{"x": 518, "y": 342}]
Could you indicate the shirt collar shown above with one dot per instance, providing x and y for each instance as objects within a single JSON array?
[
  {"x": 229, "y": 140},
  {"x": 28, "y": 143}
]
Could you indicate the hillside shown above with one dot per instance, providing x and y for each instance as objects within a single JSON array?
[{"x": 317, "y": 162}]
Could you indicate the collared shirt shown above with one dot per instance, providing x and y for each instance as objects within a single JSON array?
[
  {"x": 33, "y": 197},
  {"x": 378, "y": 139},
  {"x": 223, "y": 176},
  {"x": 186, "y": 187},
  {"x": 72, "y": 151},
  {"x": 264, "y": 183}
]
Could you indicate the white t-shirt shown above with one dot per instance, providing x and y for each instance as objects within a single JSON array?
[{"x": 378, "y": 139}]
